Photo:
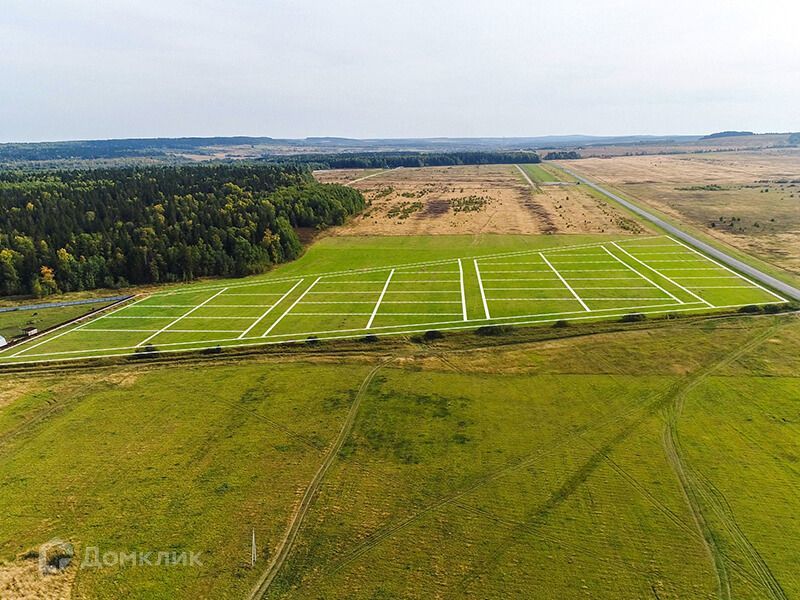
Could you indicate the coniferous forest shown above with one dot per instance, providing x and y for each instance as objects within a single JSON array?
[
  {"x": 64, "y": 231},
  {"x": 392, "y": 160}
]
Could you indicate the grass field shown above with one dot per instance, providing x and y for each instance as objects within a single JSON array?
[
  {"x": 352, "y": 288},
  {"x": 528, "y": 470},
  {"x": 599, "y": 460}
]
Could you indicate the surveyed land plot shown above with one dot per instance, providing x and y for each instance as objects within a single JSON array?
[{"x": 655, "y": 274}]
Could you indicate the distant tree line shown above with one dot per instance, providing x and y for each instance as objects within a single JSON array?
[
  {"x": 78, "y": 230},
  {"x": 562, "y": 155},
  {"x": 724, "y": 134},
  {"x": 391, "y": 160},
  {"x": 114, "y": 149}
]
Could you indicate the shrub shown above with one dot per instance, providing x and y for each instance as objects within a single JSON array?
[
  {"x": 751, "y": 309},
  {"x": 633, "y": 318},
  {"x": 774, "y": 308},
  {"x": 312, "y": 340},
  {"x": 433, "y": 334},
  {"x": 371, "y": 338},
  {"x": 214, "y": 350},
  {"x": 561, "y": 323},
  {"x": 493, "y": 330}
]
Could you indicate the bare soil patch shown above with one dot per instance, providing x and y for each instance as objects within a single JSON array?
[
  {"x": 470, "y": 200},
  {"x": 22, "y": 580}
]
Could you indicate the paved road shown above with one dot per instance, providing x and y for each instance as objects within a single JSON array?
[{"x": 760, "y": 276}]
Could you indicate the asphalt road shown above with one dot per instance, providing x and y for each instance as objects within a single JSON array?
[{"x": 733, "y": 263}]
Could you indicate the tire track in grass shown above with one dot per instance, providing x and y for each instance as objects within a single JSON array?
[
  {"x": 380, "y": 535},
  {"x": 724, "y": 512},
  {"x": 696, "y": 487},
  {"x": 286, "y": 542},
  {"x": 539, "y": 515}
]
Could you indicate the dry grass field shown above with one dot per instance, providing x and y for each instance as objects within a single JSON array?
[
  {"x": 750, "y": 200},
  {"x": 471, "y": 200},
  {"x": 727, "y": 144}
]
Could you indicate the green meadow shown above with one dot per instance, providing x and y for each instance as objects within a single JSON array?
[
  {"x": 347, "y": 287},
  {"x": 650, "y": 460}
]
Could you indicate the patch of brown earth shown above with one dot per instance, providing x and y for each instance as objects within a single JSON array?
[{"x": 469, "y": 200}]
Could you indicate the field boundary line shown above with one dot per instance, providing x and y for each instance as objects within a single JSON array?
[
  {"x": 535, "y": 299},
  {"x": 503, "y": 271},
  {"x": 172, "y": 317},
  {"x": 352, "y": 314},
  {"x": 647, "y": 279},
  {"x": 480, "y": 286},
  {"x": 677, "y": 308},
  {"x": 370, "y": 302},
  {"x": 254, "y": 294},
  {"x": 104, "y": 330},
  {"x": 532, "y": 318},
  {"x": 396, "y": 267},
  {"x": 526, "y": 289},
  {"x": 295, "y": 303},
  {"x": 391, "y": 292},
  {"x": 739, "y": 275},
  {"x": 186, "y": 314},
  {"x": 463, "y": 292},
  {"x": 672, "y": 281},
  {"x": 727, "y": 287},
  {"x": 564, "y": 281},
  {"x": 269, "y": 310},
  {"x": 380, "y": 299}
]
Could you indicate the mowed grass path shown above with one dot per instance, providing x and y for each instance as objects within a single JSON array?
[
  {"x": 346, "y": 287},
  {"x": 539, "y": 173}
]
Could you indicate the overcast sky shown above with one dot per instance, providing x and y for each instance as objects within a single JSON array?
[{"x": 80, "y": 69}]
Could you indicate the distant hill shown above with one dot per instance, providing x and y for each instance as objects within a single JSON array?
[{"x": 725, "y": 134}]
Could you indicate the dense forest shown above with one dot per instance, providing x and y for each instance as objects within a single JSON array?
[
  {"x": 562, "y": 155},
  {"x": 391, "y": 160},
  {"x": 78, "y": 230}
]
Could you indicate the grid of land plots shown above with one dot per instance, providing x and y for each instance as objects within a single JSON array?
[{"x": 591, "y": 281}]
